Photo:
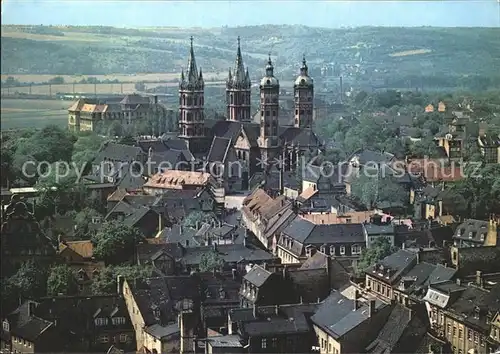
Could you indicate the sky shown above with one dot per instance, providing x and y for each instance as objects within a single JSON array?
[{"x": 205, "y": 13}]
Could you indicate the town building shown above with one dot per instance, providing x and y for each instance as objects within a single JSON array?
[{"x": 85, "y": 115}]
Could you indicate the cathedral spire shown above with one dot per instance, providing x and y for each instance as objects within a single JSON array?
[
  {"x": 239, "y": 70},
  {"x": 192, "y": 74}
]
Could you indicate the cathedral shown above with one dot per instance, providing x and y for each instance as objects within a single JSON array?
[{"x": 255, "y": 146}]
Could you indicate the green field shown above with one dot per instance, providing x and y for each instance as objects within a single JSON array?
[{"x": 18, "y": 113}]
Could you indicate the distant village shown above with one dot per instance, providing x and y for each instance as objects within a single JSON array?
[{"x": 247, "y": 250}]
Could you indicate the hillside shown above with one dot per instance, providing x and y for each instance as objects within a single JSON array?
[{"x": 439, "y": 56}]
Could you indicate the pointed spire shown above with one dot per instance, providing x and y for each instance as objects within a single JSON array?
[
  {"x": 229, "y": 76},
  {"x": 247, "y": 78},
  {"x": 303, "y": 68},
  {"x": 239, "y": 70},
  {"x": 192, "y": 74},
  {"x": 183, "y": 78}
]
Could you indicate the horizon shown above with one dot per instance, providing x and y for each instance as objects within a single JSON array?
[{"x": 200, "y": 14}]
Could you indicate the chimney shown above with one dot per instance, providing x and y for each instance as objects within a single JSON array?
[
  {"x": 180, "y": 228},
  {"x": 459, "y": 282},
  {"x": 187, "y": 243},
  {"x": 285, "y": 272},
  {"x": 410, "y": 313},
  {"x": 245, "y": 240},
  {"x": 197, "y": 224},
  {"x": 119, "y": 283},
  {"x": 418, "y": 256},
  {"x": 156, "y": 99},
  {"x": 31, "y": 308},
  {"x": 371, "y": 308},
  {"x": 403, "y": 246},
  {"x": 277, "y": 310},
  {"x": 214, "y": 246},
  {"x": 254, "y": 311},
  {"x": 301, "y": 300},
  {"x": 479, "y": 278},
  {"x": 319, "y": 300},
  {"x": 160, "y": 226},
  {"x": 233, "y": 271},
  {"x": 356, "y": 300}
]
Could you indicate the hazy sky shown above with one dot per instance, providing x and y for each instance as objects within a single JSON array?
[{"x": 204, "y": 13}]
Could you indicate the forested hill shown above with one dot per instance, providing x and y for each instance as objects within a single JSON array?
[{"x": 376, "y": 52}]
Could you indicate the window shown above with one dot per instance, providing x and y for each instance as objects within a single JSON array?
[
  {"x": 454, "y": 331},
  {"x": 118, "y": 320},
  {"x": 264, "y": 343},
  {"x": 5, "y": 326},
  {"x": 104, "y": 339},
  {"x": 342, "y": 250},
  {"x": 476, "y": 337},
  {"x": 123, "y": 338},
  {"x": 469, "y": 335},
  {"x": 101, "y": 321},
  {"x": 449, "y": 328},
  {"x": 274, "y": 342},
  {"x": 460, "y": 333},
  {"x": 329, "y": 347},
  {"x": 356, "y": 249}
]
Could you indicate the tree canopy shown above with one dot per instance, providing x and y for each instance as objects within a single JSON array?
[
  {"x": 114, "y": 242},
  {"x": 379, "y": 249},
  {"x": 106, "y": 281},
  {"x": 61, "y": 280},
  {"x": 211, "y": 261}
]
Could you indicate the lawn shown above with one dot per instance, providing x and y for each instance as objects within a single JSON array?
[{"x": 17, "y": 113}]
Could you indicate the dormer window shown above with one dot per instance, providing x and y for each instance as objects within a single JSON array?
[
  {"x": 101, "y": 321},
  {"x": 342, "y": 250},
  {"x": 470, "y": 234},
  {"x": 6, "y": 326},
  {"x": 482, "y": 237},
  {"x": 332, "y": 250},
  {"x": 118, "y": 320}
]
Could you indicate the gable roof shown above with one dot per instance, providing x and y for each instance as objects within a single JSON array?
[
  {"x": 83, "y": 248},
  {"x": 306, "y": 232},
  {"x": 175, "y": 179},
  {"x": 257, "y": 276},
  {"x": 336, "y": 315},
  {"x": 118, "y": 152}
]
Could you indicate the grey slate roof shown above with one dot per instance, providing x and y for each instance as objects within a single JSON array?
[
  {"x": 337, "y": 316},
  {"x": 258, "y": 276},
  {"x": 305, "y": 231},
  {"x": 218, "y": 149},
  {"x": 118, "y": 152},
  {"x": 472, "y": 230},
  {"x": 393, "y": 265}
]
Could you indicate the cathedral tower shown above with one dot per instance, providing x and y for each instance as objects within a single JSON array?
[
  {"x": 238, "y": 87},
  {"x": 269, "y": 112},
  {"x": 303, "y": 98},
  {"x": 191, "y": 101}
]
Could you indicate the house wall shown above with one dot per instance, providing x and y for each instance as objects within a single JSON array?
[
  {"x": 379, "y": 287},
  {"x": 287, "y": 257},
  {"x": 135, "y": 315},
  {"x": 327, "y": 344},
  {"x": 20, "y": 345}
]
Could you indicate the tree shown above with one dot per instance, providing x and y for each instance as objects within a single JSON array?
[
  {"x": 140, "y": 86},
  {"x": 375, "y": 191},
  {"x": 86, "y": 148},
  {"x": 378, "y": 250},
  {"x": 61, "y": 280},
  {"x": 115, "y": 242},
  {"x": 198, "y": 217},
  {"x": 50, "y": 144},
  {"x": 211, "y": 261},
  {"x": 424, "y": 147},
  {"x": 83, "y": 219},
  {"x": 106, "y": 281},
  {"x": 57, "y": 80},
  {"x": 28, "y": 282}
]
